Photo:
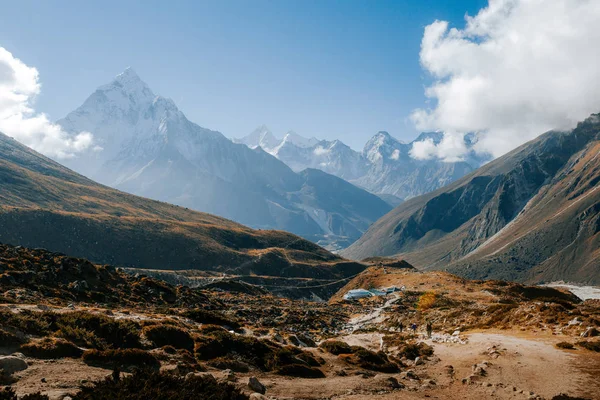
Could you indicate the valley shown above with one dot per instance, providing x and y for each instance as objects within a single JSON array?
[{"x": 490, "y": 339}]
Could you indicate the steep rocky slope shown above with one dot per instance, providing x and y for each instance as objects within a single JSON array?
[
  {"x": 147, "y": 146},
  {"x": 531, "y": 215},
  {"x": 43, "y": 204}
]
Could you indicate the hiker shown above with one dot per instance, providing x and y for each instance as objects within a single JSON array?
[
  {"x": 414, "y": 328},
  {"x": 401, "y": 326},
  {"x": 429, "y": 329}
]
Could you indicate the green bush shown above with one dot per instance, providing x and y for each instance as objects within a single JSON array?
[
  {"x": 121, "y": 358},
  {"x": 144, "y": 385},
  {"x": 168, "y": 335}
]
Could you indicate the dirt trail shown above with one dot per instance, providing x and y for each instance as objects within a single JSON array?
[
  {"x": 527, "y": 362},
  {"x": 373, "y": 317},
  {"x": 526, "y": 366}
]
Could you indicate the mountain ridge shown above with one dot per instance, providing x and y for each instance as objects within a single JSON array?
[
  {"x": 151, "y": 149},
  {"x": 384, "y": 167},
  {"x": 514, "y": 218}
]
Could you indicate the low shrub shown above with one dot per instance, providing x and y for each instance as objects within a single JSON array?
[
  {"x": 211, "y": 317},
  {"x": 49, "y": 348},
  {"x": 370, "y": 360},
  {"x": 593, "y": 346},
  {"x": 300, "y": 371},
  {"x": 265, "y": 355},
  {"x": 29, "y": 322},
  {"x": 98, "y": 331},
  {"x": 121, "y": 358},
  {"x": 10, "y": 339},
  {"x": 336, "y": 347},
  {"x": 9, "y": 394},
  {"x": 210, "y": 329},
  {"x": 414, "y": 350},
  {"x": 222, "y": 343},
  {"x": 229, "y": 363},
  {"x": 426, "y": 301},
  {"x": 565, "y": 345},
  {"x": 168, "y": 335},
  {"x": 143, "y": 385}
]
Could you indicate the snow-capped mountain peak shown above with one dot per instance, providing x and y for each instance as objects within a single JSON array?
[
  {"x": 300, "y": 141},
  {"x": 382, "y": 146},
  {"x": 261, "y": 136}
]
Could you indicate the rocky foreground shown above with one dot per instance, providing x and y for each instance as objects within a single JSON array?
[{"x": 71, "y": 329}]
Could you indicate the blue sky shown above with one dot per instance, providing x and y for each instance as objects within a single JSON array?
[{"x": 331, "y": 69}]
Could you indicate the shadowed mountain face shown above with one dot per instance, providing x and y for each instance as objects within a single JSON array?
[
  {"x": 384, "y": 167},
  {"x": 44, "y": 204},
  {"x": 531, "y": 215},
  {"x": 149, "y": 148}
]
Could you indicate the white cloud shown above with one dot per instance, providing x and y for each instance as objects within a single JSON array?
[
  {"x": 451, "y": 148},
  {"x": 517, "y": 69},
  {"x": 19, "y": 84}
]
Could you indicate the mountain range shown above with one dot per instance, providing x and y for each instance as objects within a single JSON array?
[
  {"x": 146, "y": 146},
  {"x": 44, "y": 204},
  {"x": 532, "y": 215},
  {"x": 384, "y": 167}
]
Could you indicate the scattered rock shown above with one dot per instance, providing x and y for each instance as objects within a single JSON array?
[
  {"x": 590, "y": 332},
  {"x": 229, "y": 375},
  {"x": 258, "y": 396},
  {"x": 254, "y": 384}
]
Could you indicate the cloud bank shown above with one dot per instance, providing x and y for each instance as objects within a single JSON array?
[
  {"x": 19, "y": 85},
  {"x": 516, "y": 70}
]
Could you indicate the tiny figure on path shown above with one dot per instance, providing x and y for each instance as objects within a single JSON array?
[
  {"x": 429, "y": 329},
  {"x": 414, "y": 327},
  {"x": 401, "y": 326}
]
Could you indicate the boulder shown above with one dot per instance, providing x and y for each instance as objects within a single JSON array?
[
  {"x": 254, "y": 384},
  {"x": 12, "y": 364}
]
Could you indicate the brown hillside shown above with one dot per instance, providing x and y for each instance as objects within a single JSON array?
[{"x": 43, "y": 204}]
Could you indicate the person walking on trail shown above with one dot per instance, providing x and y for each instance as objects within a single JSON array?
[
  {"x": 401, "y": 326},
  {"x": 429, "y": 329},
  {"x": 414, "y": 328}
]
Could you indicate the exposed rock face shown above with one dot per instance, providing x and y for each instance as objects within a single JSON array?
[
  {"x": 147, "y": 146},
  {"x": 531, "y": 215}
]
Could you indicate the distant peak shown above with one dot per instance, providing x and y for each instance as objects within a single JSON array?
[{"x": 128, "y": 76}]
